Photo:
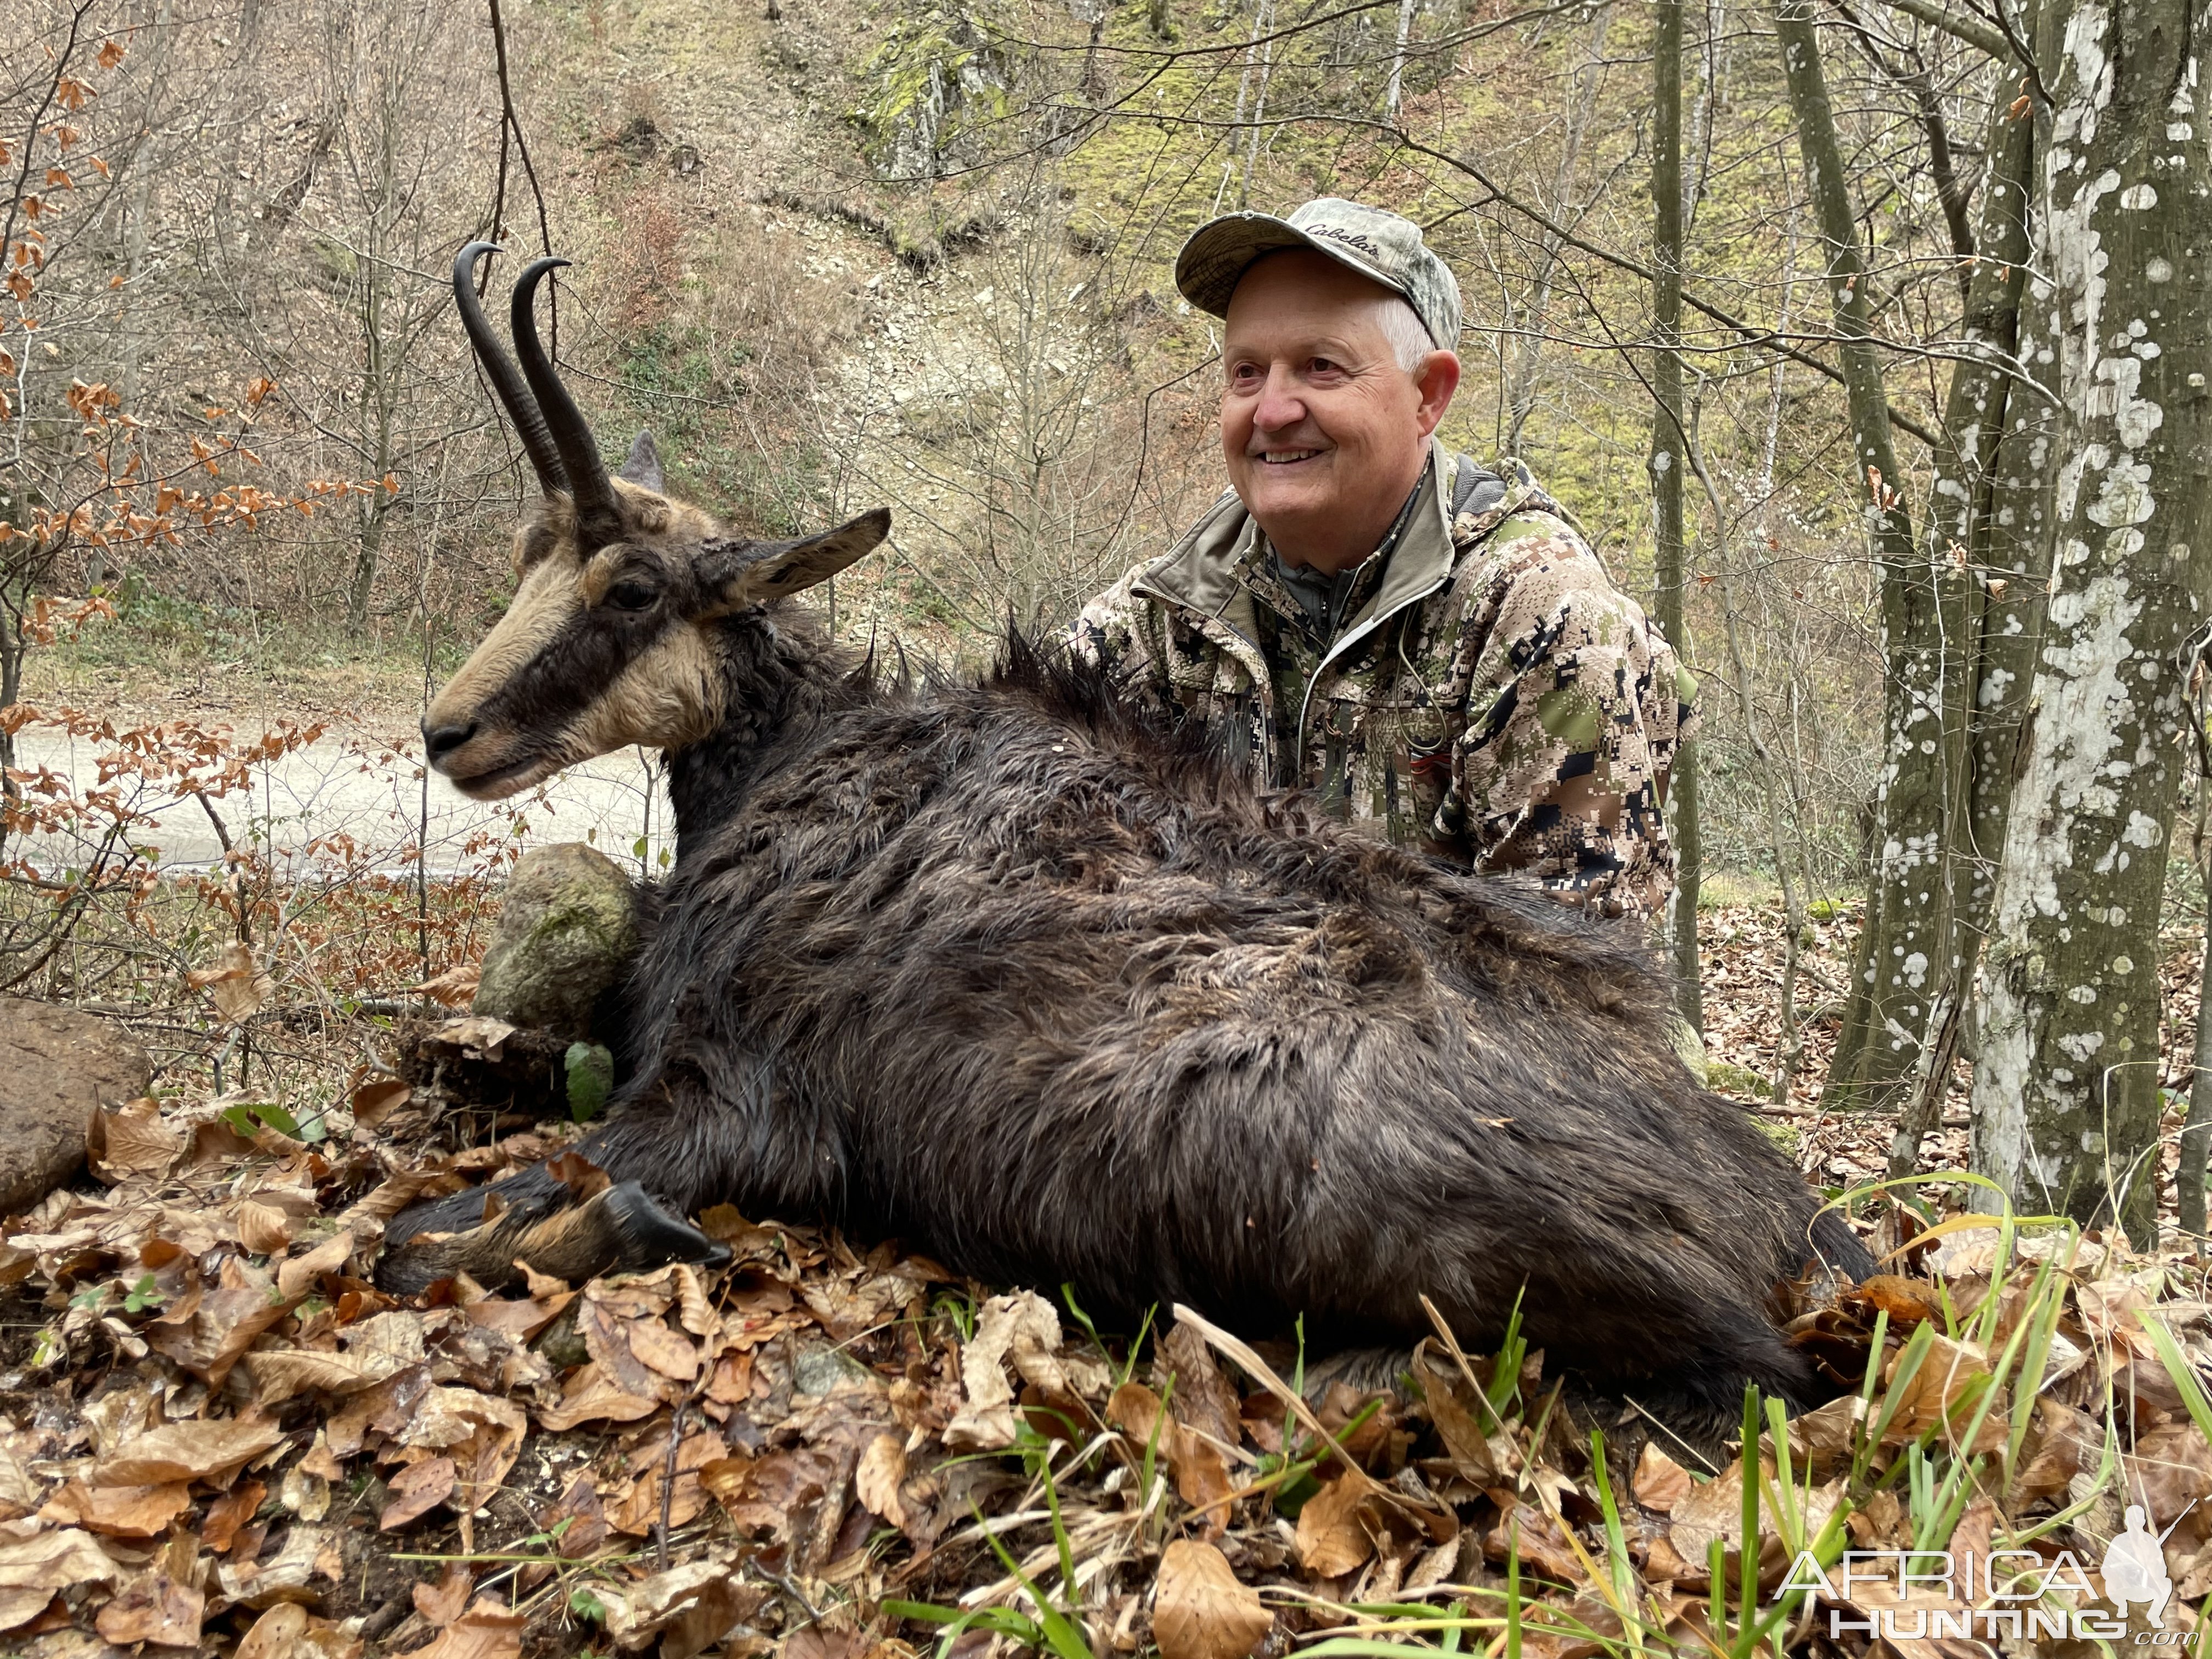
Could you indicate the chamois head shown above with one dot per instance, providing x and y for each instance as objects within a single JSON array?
[{"x": 612, "y": 638}]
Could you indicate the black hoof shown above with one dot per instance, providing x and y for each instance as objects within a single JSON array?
[{"x": 650, "y": 1236}]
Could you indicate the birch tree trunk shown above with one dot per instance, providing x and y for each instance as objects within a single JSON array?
[
  {"x": 1668, "y": 460},
  {"x": 2066, "y": 1098}
]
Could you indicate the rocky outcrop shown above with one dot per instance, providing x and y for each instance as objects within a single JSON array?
[
  {"x": 58, "y": 1065},
  {"x": 567, "y": 929}
]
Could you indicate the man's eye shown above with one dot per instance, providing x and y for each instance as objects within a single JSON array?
[
  {"x": 630, "y": 596},
  {"x": 1324, "y": 365}
]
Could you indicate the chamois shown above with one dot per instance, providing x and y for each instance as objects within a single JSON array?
[{"x": 1036, "y": 981}]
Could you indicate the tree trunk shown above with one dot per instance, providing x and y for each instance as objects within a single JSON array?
[
  {"x": 2066, "y": 1096},
  {"x": 1904, "y": 931},
  {"x": 1398, "y": 56},
  {"x": 1670, "y": 456},
  {"x": 1982, "y": 402},
  {"x": 2196, "y": 1128}
]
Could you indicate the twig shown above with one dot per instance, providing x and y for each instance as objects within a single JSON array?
[
  {"x": 668, "y": 1486},
  {"x": 814, "y": 1613},
  {"x": 221, "y": 830}
]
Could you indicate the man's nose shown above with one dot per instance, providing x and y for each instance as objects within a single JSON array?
[{"x": 1279, "y": 405}]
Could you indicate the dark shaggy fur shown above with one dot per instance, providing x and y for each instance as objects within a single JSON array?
[{"x": 1036, "y": 984}]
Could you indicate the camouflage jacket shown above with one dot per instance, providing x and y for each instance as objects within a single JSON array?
[{"x": 1481, "y": 689}]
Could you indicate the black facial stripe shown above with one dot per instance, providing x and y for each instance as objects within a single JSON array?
[{"x": 576, "y": 667}]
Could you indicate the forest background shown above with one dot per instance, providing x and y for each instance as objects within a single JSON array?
[{"x": 1867, "y": 342}]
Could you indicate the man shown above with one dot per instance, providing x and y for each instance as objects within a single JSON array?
[{"x": 1431, "y": 644}]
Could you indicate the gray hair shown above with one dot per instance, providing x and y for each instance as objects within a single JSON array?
[{"x": 1402, "y": 327}]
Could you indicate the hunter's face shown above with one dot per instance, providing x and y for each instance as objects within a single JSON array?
[{"x": 1323, "y": 433}]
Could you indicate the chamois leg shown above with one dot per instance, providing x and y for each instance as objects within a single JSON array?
[
  {"x": 623, "y": 1225},
  {"x": 693, "y": 1140}
]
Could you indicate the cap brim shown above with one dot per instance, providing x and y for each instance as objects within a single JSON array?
[{"x": 1216, "y": 256}]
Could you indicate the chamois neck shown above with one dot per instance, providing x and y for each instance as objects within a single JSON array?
[{"x": 781, "y": 673}]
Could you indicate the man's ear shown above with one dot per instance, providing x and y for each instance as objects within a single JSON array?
[
  {"x": 643, "y": 466},
  {"x": 740, "y": 573},
  {"x": 1436, "y": 379}
]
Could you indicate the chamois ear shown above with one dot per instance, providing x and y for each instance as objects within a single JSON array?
[
  {"x": 754, "y": 573},
  {"x": 643, "y": 466}
]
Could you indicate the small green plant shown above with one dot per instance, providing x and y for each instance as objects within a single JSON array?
[
  {"x": 591, "y": 1073},
  {"x": 249, "y": 1116}
]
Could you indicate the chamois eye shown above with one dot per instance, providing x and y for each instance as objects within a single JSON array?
[{"x": 631, "y": 596}]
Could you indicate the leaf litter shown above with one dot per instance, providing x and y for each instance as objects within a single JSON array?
[{"x": 218, "y": 1435}]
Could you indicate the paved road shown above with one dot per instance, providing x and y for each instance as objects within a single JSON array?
[{"x": 339, "y": 788}]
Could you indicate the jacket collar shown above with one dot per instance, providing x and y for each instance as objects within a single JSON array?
[{"x": 1206, "y": 570}]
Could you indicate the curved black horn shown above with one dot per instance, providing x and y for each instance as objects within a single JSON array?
[
  {"x": 588, "y": 486},
  {"x": 499, "y": 368}
]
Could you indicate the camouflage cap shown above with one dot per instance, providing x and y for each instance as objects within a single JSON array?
[{"x": 1379, "y": 245}]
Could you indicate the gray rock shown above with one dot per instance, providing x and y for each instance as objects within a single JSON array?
[
  {"x": 567, "y": 929},
  {"x": 57, "y": 1066}
]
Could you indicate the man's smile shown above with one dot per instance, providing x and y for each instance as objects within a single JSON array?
[{"x": 1288, "y": 457}]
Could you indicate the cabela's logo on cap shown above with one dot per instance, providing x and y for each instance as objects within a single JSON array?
[{"x": 1351, "y": 239}]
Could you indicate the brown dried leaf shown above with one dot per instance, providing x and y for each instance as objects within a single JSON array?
[
  {"x": 1203, "y": 1396},
  {"x": 416, "y": 1490},
  {"x": 207, "y": 1333},
  {"x": 233, "y": 983},
  {"x": 229, "y": 1513},
  {"x": 120, "y": 1511},
  {"x": 1540, "y": 1542},
  {"x": 1200, "y": 1472},
  {"x": 1200, "y": 1609},
  {"x": 276, "y": 1633},
  {"x": 479, "y": 1035},
  {"x": 1022, "y": 1328},
  {"x": 1450, "y": 1400},
  {"x": 1935, "y": 1397},
  {"x": 589, "y": 1395},
  {"x": 184, "y": 1451},
  {"x": 1332, "y": 1541},
  {"x": 19, "y": 1489},
  {"x": 1660, "y": 1481},
  {"x": 657, "y": 1346},
  {"x": 486, "y": 1631},
  {"x": 263, "y": 1229},
  {"x": 155, "y": 1608},
  {"x": 640, "y": 1511},
  {"x": 587, "y": 1527},
  {"x": 1822, "y": 1437},
  {"x": 584, "y": 1179},
  {"x": 1908, "y": 1302},
  {"x": 456, "y": 987},
  {"x": 377, "y": 1099},
  {"x": 688, "y": 1607},
  {"x": 2062, "y": 1443},
  {"x": 298, "y": 1275},
  {"x": 879, "y": 1476},
  {"x": 32, "y": 1569},
  {"x": 280, "y": 1373},
  {"x": 443, "y": 1602},
  {"x": 606, "y": 1328},
  {"x": 130, "y": 1142}
]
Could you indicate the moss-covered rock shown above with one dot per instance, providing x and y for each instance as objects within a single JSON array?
[{"x": 567, "y": 929}]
